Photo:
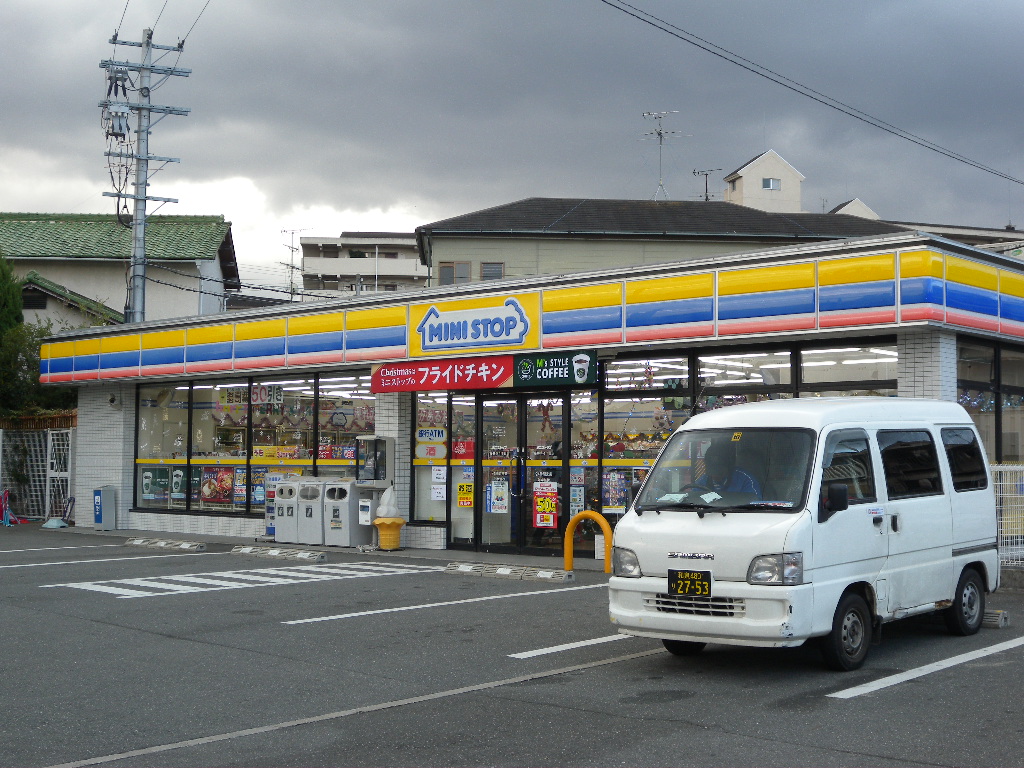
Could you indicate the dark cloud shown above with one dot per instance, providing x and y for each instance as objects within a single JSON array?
[{"x": 453, "y": 105}]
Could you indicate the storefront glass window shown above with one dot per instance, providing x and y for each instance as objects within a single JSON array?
[
  {"x": 430, "y": 456},
  {"x": 749, "y": 368},
  {"x": 661, "y": 373},
  {"x": 462, "y": 457},
  {"x": 634, "y": 431},
  {"x": 848, "y": 363},
  {"x": 711, "y": 402},
  {"x": 347, "y": 410},
  {"x": 217, "y": 475},
  {"x": 981, "y": 405},
  {"x": 975, "y": 362},
  {"x": 162, "y": 434}
]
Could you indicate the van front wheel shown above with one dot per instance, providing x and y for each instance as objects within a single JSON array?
[
  {"x": 683, "y": 647},
  {"x": 846, "y": 646},
  {"x": 965, "y": 615}
]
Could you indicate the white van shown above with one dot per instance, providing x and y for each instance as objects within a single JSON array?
[{"x": 773, "y": 523}]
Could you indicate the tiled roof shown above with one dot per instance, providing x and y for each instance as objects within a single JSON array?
[
  {"x": 86, "y": 305},
  {"x": 100, "y": 236},
  {"x": 538, "y": 216}
]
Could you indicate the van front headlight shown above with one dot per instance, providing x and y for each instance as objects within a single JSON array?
[
  {"x": 784, "y": 568},
  {"x": 625, "y": 563}
]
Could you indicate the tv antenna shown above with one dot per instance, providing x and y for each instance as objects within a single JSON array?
[
  {"x": 660, "y": 133},
  {"x": 705, "y": 174}
]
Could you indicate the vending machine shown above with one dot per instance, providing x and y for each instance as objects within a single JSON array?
[
  {"x": 341, "y": 515},
  {"x": 286, "y": 524},
  {"x": 309, "y": 511}
]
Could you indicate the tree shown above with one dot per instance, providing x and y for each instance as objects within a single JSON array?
[
  {"x": 10, "y": 297},
  {"x": 20, "y": 390}
]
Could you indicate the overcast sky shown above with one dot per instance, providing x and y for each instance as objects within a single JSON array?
[{"x": 329, "y": 115}]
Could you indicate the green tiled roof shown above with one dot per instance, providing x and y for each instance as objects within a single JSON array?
[
  {"x": 100, "y": 236},
  {"x": 86, "y": 305}
]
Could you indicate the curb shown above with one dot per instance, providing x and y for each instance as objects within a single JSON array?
[
  {"x": 283, "y": 554},
  {"x": 189, "y": 546},
  {"x": 514, "y": 572}
]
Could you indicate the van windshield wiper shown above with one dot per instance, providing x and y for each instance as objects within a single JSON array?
[{"x": 659, "y": 508}]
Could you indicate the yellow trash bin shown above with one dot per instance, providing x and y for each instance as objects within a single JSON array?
[{"x": 389, "y": 532}]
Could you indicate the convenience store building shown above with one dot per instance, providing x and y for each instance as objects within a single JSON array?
[{"x": 516, "y": 403}]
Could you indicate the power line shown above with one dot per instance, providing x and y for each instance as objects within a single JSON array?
[{"x": 796, "y": 87}]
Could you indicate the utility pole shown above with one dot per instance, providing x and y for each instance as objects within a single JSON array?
[
  {"x": 705, "y": 174},
  {"x": 291, "y": 260},
  {"x": 116, "y": 109}
]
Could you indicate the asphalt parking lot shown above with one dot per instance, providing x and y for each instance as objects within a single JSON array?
[{"x": 119, "y": 655}]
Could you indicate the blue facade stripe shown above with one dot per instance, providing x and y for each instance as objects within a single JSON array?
[
  {"x": 795, "y": 302},
  {"x": 259, "y": 347},
  {"x": 332, "y": 341},
  {"x": 921, "y": 290},
  {"x": 44, "y": 367},
  {"x": 376, "y": 337},
  {"x": 1011, "y": 307},
  {"x": 670, "y": 312},
  {"x": 200, "y": 353},
  {"x": 576, "y": 320},
  {"x": 128, "y": 359},
  {"x": 971, "y": 299},
  {"x": 857, "y": 296},
  {"x": 87, "y": 362},
  {"x": 163, "y": 356},
  {"x": 62, "y": 365}
]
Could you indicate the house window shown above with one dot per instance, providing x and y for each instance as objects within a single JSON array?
[
  {"x": 771, "y": 184},
  {"x": 452, "y": 272},
  {"x": 492, "y": 270},
  {"x": 33, "y": 300}
]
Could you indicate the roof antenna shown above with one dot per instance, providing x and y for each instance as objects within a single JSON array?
[
  {"x": 705, "y": 174},
  {"x": 660, "y": 133}
]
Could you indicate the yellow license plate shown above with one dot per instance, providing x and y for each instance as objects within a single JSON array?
[{"x": 689, "y": 583}]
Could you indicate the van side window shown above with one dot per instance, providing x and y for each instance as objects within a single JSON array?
[
  {"x": 965, "y": 461},
  {"x": 847, "y": 460},
  {"x": 910, "y": 462}
]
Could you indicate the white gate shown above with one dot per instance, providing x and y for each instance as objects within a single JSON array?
[{"x": 58, "y": 470}]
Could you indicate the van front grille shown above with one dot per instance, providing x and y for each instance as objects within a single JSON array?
[{"x": 697, "y": 606}]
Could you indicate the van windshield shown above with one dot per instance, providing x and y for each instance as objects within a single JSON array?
[{"x": 757, "y": 469}]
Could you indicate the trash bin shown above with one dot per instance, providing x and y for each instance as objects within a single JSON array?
[{"x": 389, "y": 530}]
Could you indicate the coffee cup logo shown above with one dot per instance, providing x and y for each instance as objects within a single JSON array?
[
  {"x": 581, "y": 368},
  {"x": 147, "y": 482},
  {"x": 176, "y": 477}
]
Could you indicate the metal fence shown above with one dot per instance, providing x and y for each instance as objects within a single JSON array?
[{"x": 1009, "y": 486}]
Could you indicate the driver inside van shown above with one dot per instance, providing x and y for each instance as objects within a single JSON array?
[{"x": 721, "y": 473}]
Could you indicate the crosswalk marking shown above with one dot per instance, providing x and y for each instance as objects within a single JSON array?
[{"x": 155, "y": 586}]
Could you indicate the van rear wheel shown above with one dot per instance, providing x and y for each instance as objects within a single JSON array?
[
  {"x": 846, "y": 646},
  {"x": 965, "y": 615},
  {"x": 683, "y": 647}
]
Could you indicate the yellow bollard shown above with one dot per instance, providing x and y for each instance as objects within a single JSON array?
[{"x": 605, "y": 528}]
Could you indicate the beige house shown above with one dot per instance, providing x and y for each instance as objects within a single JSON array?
[{"x": 767, "y": 183}]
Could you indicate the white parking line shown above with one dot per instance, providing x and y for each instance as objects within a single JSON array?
[
  {"x": 157, "y": 586},
  {"x": 927, "y": 669},
  {"x": 439, "y": 605},
  {"x": 46, "y": 549},
  {"x": 111, "y": 559},
  {"x": 566, "y": 647},
  {"x": 329, "y": 716}
]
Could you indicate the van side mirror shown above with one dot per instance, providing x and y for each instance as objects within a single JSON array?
[{"x": 837, "y": 499}]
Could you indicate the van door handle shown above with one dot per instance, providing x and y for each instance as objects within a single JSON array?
[{"x": 894, "y": 523}]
